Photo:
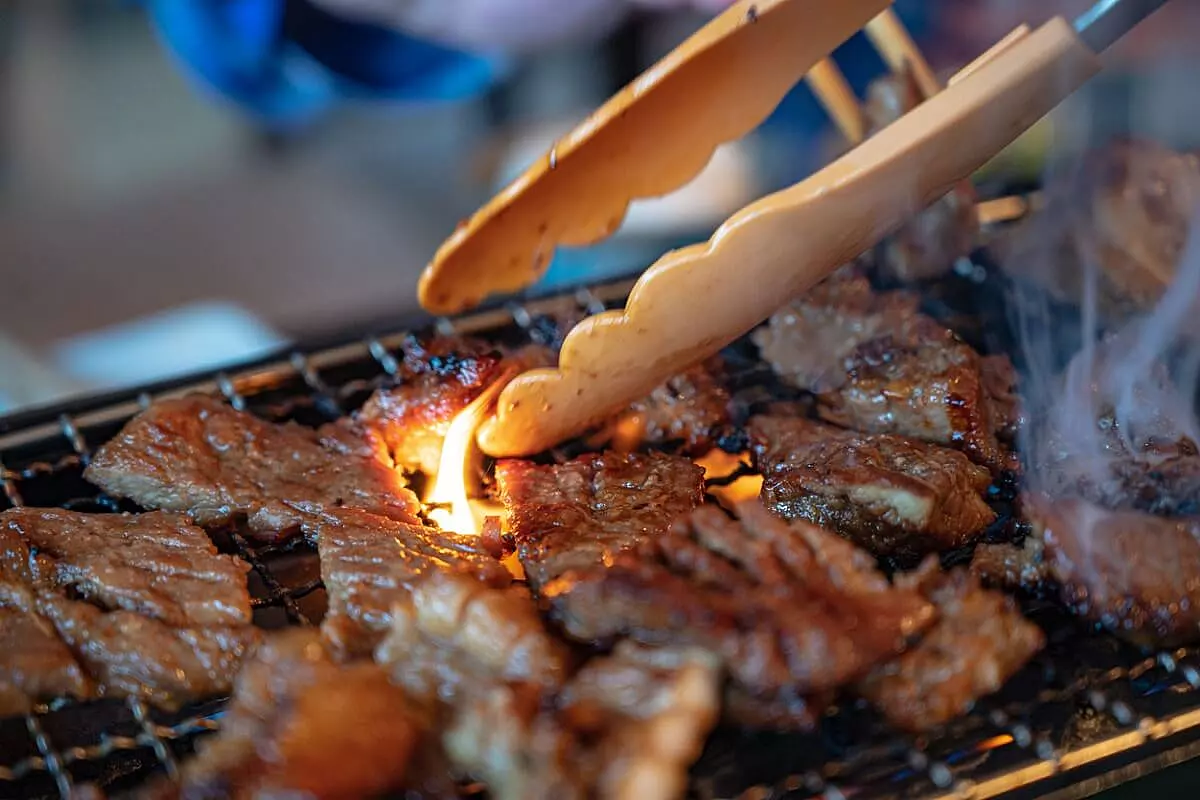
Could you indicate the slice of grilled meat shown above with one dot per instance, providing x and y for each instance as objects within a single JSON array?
[
  {"x": 127, "y": 654},
  {"x": 158, "y": 565},
  {"x": 1118, "y": 219},
  {"x": 485, "y": 667},
  {"x": 451, "y": 635},
  {"x": 302, "y": 725},
  {"x": 1130, "y": 571},
  {"x": 200, "y": 456},
  {"x": 170, "y": 647},
  {"x": 791, "y": 610},
  {"x": 368, "y": 563},
  {"x": 891, "y": 495},
  {"x": 627, "y": 725},
  {"x": 979, "y": 641},
  {"x": 583, "y": 513},
  {"x": 879, "y": 366},
  {"x": 35, "y": 664},
  {"x": 437, "y": 380},
  {"x": 691, "y": 410}
]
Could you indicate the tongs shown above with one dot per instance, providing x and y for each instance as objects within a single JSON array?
[{"x": 659, "y": 132}]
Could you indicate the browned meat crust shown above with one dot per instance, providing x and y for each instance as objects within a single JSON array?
[
  {"x": 1157, "y": 472},
  {"x": 627, "y": 726},
  {"x": 789, "y": 609},
  {"x": 301, "y": 725},
  {"x": 979, "y": 641},
  {"x": 131, "y": 655},
  {"x": 171, "y": 646},
  {"x": 451, "y": 636},
  {"x": 1123, "y": 215},
  {"x": 582, "y": 513},
  {"x": 691, "y": 409},
  {"x": 158, "y": 565},
  {"x": 1010, "y": 566},
  {"x": 891, "y": 495},
  {"x": 35, "y": 664},
  {"x": 368, "y": 563},
  {"x": 200, "y": 456},
  {"x": 496, "y": 681},
  {"x": 879, "y": 366},
  {"x": 1131, "y": 572},
  {"x": 438, "y": 379}
]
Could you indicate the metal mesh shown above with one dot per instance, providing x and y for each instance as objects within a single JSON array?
[{"x": 1087, "y": 712}]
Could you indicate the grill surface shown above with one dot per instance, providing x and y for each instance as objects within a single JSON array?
[{"x": 1087, "y": 713}]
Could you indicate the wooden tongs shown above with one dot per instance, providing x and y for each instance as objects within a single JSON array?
[{"x": 659, "y": 132}]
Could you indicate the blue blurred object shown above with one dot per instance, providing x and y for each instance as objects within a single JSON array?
[{"x": 285, "y": 61}]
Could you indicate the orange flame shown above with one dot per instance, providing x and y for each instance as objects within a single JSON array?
[
  {"x": 719, "y": 464},
  {"x": 458, "y": 467},
  {"x": 994, "y": 742}
]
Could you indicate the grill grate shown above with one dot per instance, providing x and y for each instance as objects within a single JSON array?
[{"x": 1088, "y": 712}]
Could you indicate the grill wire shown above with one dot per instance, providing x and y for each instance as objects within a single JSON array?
[{"x": 1086, "y": 713}]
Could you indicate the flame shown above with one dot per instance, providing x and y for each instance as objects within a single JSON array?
[
  {"x": 719, "y": 464},
  {"x": 457, "y": 467}
]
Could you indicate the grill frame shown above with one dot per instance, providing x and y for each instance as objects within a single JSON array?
[{"x": 1132, "y": 737}]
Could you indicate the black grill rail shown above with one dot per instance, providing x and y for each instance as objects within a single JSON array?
[{"x": 1089, "y": 712}]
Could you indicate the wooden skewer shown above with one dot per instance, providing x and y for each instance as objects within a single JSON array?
[
  {"x": 898, "y": 49},
  {"x": 833, "y": 90}
]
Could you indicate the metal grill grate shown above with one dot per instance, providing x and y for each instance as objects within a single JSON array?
[{"x": 1087, "y": 712}]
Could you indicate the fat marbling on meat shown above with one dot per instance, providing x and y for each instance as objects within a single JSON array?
[
  {"x": 891, "y": 495},
  {"x": 876, "y": 364}
]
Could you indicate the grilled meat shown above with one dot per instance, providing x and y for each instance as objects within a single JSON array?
[
  {"x": 579, "y": 514},
  {"x": 1123, "y": 214},
  {"x": 1156, "y": 470},
  {"x": 879, "y": 366},
  {"x": 979, "y": 641},
  {"x": 158, "y": 565},
  {"x": 1130, "y": 571},
  {"x": 484, "y": 666},
  {"x": 437, "y": 380},
  {"x": 791, "y": 610},
  {"x": 691, "y": 409},
  {"x": 452, "y": 634},
  {"x": 173, "y": 647},
  {"x": 35, "y": 664},
  {"x": 131, "y": 655},
  {"x": 200, "y": 456},
  {"x": 628, "y": 725},
  {"x": 368, "y": 562},
  {"x": 301, "y": 725},
  {"x": 927, "y": 245},
  {"x": 891, "y": 495},
  {"x": 1011, "y": 566}
]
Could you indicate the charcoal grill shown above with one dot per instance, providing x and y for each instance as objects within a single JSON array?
[{"x": 1088, "y": 713}]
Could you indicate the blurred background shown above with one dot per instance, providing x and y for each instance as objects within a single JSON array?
[{"x": 150, "y": 227}]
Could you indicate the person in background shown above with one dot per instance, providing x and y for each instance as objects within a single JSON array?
[{"x": 285, "y": 62}]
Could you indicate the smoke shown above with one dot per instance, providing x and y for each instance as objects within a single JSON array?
[{"x": 1110, "y": 376}]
